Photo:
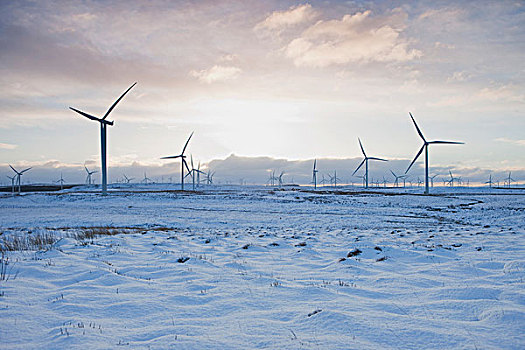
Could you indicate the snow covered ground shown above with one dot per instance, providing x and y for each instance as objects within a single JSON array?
[{"x": 251, "y": 267}]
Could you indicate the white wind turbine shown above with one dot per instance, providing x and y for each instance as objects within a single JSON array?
[
  {"x": 280, "y": 178},
  {"x": 89, "y": 173},
  {"x": 323, "y": 181},
  {"x": 314, "y": 174},
  {"x": 61, "y": 181},
  {"x": 103, "y": 124},
  {"x": 183, "y": 162},
  {"x": 425, "y": 147},
  {"x": 145, "y": 179},
  {"x": 509, "y": 180},
  {"x": 12, "y": 178},
  {"x": 365, "y": 161},
  {"x": 452, "y": 179},
  {"x": 194, "y": 171},
  {"x": 396, "y": 182},
  {"x": 127, "y": 179},
  {"x": 209, "y": 177},
  {"x": 333, "y": 179},
  {"x": 18, "y": 177},
  {"x": 432, "y": 180},
  {"x": 490, "y": 182}
]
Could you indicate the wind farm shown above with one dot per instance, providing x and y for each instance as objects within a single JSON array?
[{"x": 229, "y": 207}]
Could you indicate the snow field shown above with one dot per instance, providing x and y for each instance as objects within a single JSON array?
[{"x": 266, "y": 269}]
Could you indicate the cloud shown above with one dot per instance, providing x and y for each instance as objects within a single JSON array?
[
  {"x": 511, "y": 141},
  {"x": 354, "y": 38},
  {"x": 459, "y": 76},
  {"x": 506, "y": 93},
  {"x": 216, "y": 73},
  {"x": 7, "y": 146},
  {"x": 281, "y": 20}
]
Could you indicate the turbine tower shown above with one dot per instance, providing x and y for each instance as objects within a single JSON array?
[
  {"x": 183, "y": 162},
  {"x": 103, "y": 124},
  {"x": 314, "y": 176},
  {"x": 425, "y": 147},
  {"x": 365, "y": 161},
  {"x": 18, "y": 176}
]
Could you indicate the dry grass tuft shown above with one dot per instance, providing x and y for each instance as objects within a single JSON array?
[{"x": 41, "y": 241}]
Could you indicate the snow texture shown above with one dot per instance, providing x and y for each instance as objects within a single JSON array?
[{"x": 253, "y": 267}]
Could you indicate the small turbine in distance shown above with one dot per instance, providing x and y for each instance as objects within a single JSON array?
[
  {"x": 89, "y": 174},
  {"x": 18, "y": 176},
  {"x": 183, "y": 162},
  {"x": 425, "y": 147},
  {"x": 365, "y": 161},
  {"x": 314, "y": 176}
]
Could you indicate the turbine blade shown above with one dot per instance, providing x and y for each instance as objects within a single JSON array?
[
  {"x": 89, "y": 116},
  {"x": 186, "y": 145},
  {"x": 13, "y": 169},
  {"x": 23, "y": 171},
  {"x": 417, "y": 127},
  {"x": 360, "y": 165},
  {"x": 447, "y": 142},
  {"x": 393, "y": 173},
  {"x": 381, "y": 159},
  {"x": 415, "y": 158},
  {"x": 172, "y": 157},
  {"x": 186, "y": 165},
  {"x": 361, "y": 145},
  {"x": 117, "y": 101}
]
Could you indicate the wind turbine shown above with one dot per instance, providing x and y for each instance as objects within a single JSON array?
[
  {"x": 12, "y": 178},
  {"x": 145, "y": 179},
  {"x": 333, "y": 179},
  {"x": 365, "y": 161},
  {"x": 432, "y": 180},
  {"x": 509, "y": 179},
  {"x": 314, "y": 176},
  {"x": 89, "y": 173},
  {"x": 183, "y": 162},
  {"x": 490, "y": 181},
  {"x": 103, "y": 124},
  {"x": 18, "y": 176},
  {"x": 194, "y": 171},
  {"x": 452, "y": 179},
  {"x": 272, "y": 178},
  {"x": 323, "y": 181},
  {"x": 280, "y": 178},
  {"x": 61, "y": 180},
  {"x": 209, "y": 177},
  {"x": 425, "y": 147},
  {"x": 396, "y": 182},
  {"x": 127, "y": 179},
  {"x": 362, "y": 177}
]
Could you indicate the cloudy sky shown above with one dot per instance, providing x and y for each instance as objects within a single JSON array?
[{"x": 280, "y": 79}]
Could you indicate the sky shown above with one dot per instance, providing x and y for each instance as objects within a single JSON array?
[{"x": 278, "y": 82}]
